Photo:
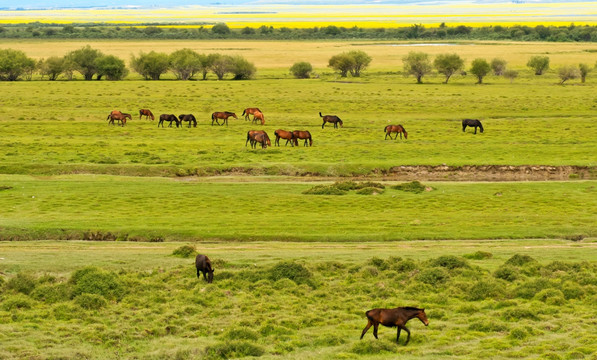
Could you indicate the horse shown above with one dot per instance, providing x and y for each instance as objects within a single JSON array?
[
  {"x": 147, "y": 113},
  {"x": 303, "y": 135},
  {"x": 398, "y": 129},
  {"x": 258, "y": 115},
  {"x": 261, "y": 138},
  {"x": 188, "y": 117},
  {"x": 251, "y": 135},
  {"x": 168, "y": 117},
  {"x": 288, "y": 135},
  {"x": 117, "y": 115},
  {"x": 472, "y": 123},
  {"x": 331, "y": 119},
  {"x": 203, "y": 265},
  {"x": 394, "y": 317},
  {"x": 249, "y": 111},
  {"x": 222, "y": 115}
]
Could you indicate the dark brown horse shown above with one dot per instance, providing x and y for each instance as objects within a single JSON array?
[
  {"x": 398, "y": 129},
  {"x": 288, "y": 135},
  {"x": 224, "y": 115},
  {"x": 188, "y": 117},
  {"x": 303, "y": 135},
  {"x": 258, "y": 115},
  {"x": 117, "y": 115},
  {"x": 472, "y": 123},
  {"x": 331, "y": 119},
  {"x": 262, "y": 139},
  {"x": 147, "y": 113},
  {"x": 394, "y": 317},
  {"x": 168, "y": 117},
  {"x": 251, "y": 135},
  {"x": 203, "y": 265},
  {"x": 249, "y": 111}
]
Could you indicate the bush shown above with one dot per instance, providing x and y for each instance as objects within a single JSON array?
[
  {"x": 484, "y": 290},
  {"x": 413, "y": 186},
  {"x": 551, "y": 297},
  {"x": 404, "y": 265},
  {"x": 240, "y": 334},
  {"x": 92, "y": 280},
  {"x": 21, "y": 283},
  {"x": 185, "y": 251},
  {"x": 433, "y": 276},
  {"x": 528, "y": 289},
  {"x": 539, "y": 64},
  {"x": 232, "y": 349},
  {"x": 51, "y": 294},
  {"x": 290, "y": 270},
  {"x": 14, "y": 63},
  {"x": 370, "y": 191},
  {"x": 324, "y": 190},
  {"x": 18, "y": 301},
  {"x": 90, "y": 301},
  {"x": 241, "y": 68},
  {"x": 380, "y": 264},
  {"x": 572, "y": 290},
  {"x": 301, "y": 70},
  {"x": 450, "y": 262},
  {"x": 506, "y": 272},
  {"x": 478, "y": 255},
  {"x": 520, "y": 260}
]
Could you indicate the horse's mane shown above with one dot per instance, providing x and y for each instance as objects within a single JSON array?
[{"x": 410, "y": 308}]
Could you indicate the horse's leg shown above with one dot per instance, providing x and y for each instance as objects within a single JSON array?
[
  {"x": 322, "y": 125},
  {"x": 375, "y": 327},
  {"x": 366, "y": 328},
  {"x": 475, "y": 130},
  {"x": 463, "y": 127},
  {"x": 408, "y": 332},
  {"x": 398, "y": 334}
]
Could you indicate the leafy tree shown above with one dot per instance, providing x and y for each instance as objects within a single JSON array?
[
  {"x": 241, "y": 68},
  {"x": 247, "y": 31},
  {"x": 510, "y": 74},
  {"x": 84, "y": 60},
  {"x": 110, "y": 66},
  {"x": 568, "y": 73},
  {"x": 448, "y": 64},
  {"x": 417, "y": 64},
  {"x": 342, "y": 63},
  {"x": 539, "y": 63},
  {"x": 584, "y": 70},
  {"x": 220, "y": 29},
  {"x": 480, "y": 68},
  {"x": 151, "y": 65},
  {"x": 301, "y": 70},
  {"x": 152, "y": 31},
  {"x": 220, "y": 65},
  {"x": 360, "y": 61},
  {"x": 185, "y": 63},
  {"x": 52, "y": 67},
  {"x": 498, "y": 66},
  {"x": 206, "y": 63},
  {"x": 14, "y": 64}
]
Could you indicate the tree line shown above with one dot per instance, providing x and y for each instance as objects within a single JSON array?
[{"x": 572, "y": 32}]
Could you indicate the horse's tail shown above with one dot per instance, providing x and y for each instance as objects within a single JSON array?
[
  {"x": 320, "y": 114},
  {"x": 310, "y": 139},
  {"x": 243, "y": 112},
  {"x": 108, "y": 118},
  {"x": 386, "y": 128},
  {"x": 213, "y": 116}
]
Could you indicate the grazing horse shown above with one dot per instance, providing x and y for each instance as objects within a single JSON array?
[
  {"x": 168, "y": 117},
  {"x": 222, "y": 115},
  {"x": 398, "y": 129},
  {"x": 249, "y": 111},
  {"x": 188, "y": 117},
  {"x": 203, "y": 265},
  {"x": 303, "y": 135},
  {"x": 147, "y": 113},
  {"x": 394, "y": 317},
  {"x": 117, "y": 115},
  {"x": 472, "y": 123},
  {"x": 251, "y": 135},
  {"x": 288, "y": 135},
  {"x": 258, "y": 115},
  {"x": 261, "y": 138},
  {"x": 331, "y": 119}
]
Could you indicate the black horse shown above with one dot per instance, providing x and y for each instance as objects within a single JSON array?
[
  {"x": 188, "y": 117},
  {"x": 472, "y": 123},
  {"x": 333, "y": 119},
  {"x": 203, "y": 265},
  {"x": 168, "y": 117}
]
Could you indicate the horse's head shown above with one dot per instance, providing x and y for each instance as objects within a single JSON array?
[
  {"x": 180, "y": 117},
  {"x": 210, "y": 276},
  {"x": 233, "y": 115},
  {"x": 421, "y": 316},
  {"x": 340, "y": 122}
]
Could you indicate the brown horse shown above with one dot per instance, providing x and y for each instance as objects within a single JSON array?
[
  {"x": 203, "y": 265},
  {"x": 303, "y": 135},
  {"x": 288, "y": 135},
  {"x": 147, "y": 113},
  {"x": 333, "y": 119},
  {"x": 261, "y": 138},
  {"x": 258, "y": 115},
  {"x": 394, "y": 317},
  {"x": 188, "y": 117},
  {"x": 398, "y": 129},
  {"x": 249, "y": 111},
  {"x": 224, "y": 115},
  {"x": 117, "y": 115},
  {"x": 251, "y": 135},
  {"x": 168, "y": 117}
]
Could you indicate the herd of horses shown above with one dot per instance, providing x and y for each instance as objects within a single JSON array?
[
  {"x": 396, "y": 317},
  {"x": 260, "y": 137}
]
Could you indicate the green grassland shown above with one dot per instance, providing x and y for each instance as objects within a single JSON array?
[{"x": 109, "y": 300}]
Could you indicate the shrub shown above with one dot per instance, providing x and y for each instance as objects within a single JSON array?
[
  {"x": 54, "y": 293},
  {"x": 478, "y": 255},
  {"x": 572, "y": 290},
  {"x": 520, "y": 260},
  {"x": 301, "y": 70},
  {"x": 90, "y": 301},
  {"x": 484, "y": 290},
  {"x": 487, "y": 326},
  {"x": 506, "y": 272},
  {"x": 22, "y": 283},
  {"x": 66, "y": 312},
  {"x": 433, "y": 276},
  {"x": 413, "y": 186},
  {"x": 240, "y": 334},
  {"x": 14, "y": 63},
  {"x": 373, "y": 347},
  {"x": 324, "y": 190},
  {"x": 370, "y": 191},
  {"x": 185, "y": 251},
  {"x": 232, "y": 349},
  {"x": 539, "y": 64},
  {"x": 551, "y": 297},
  {"x": 518, "y": 334},
  {"x": 92, "y": 280},
  {"x": 518, "y": 313},
  {"x": 18, "y": 301},
  {"x": 404, "y": 265},
  {"x": 241, "y": 68},
  {"x": 480, "y": 68},
  {"x": 290, "y": 270},
  {"x": 450, "y": 262},
  {"x": 528, "y": 289},
  {"x": 380, "y": 264}
]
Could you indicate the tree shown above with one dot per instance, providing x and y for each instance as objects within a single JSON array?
[
  {"x": 480, "y": 68},
  {"x": 448, "y": 64},
  {"x": 220, "y": 29},
  {"x": 185, "y": 63},
  {"x": 510, "y": 74},
  {"x": 342, "y": 63},
  {"x": 111, "y": 66},
  {"x": 206, "y": 63},
  {"x": 247, "y": 31},
  {"x": 220, "y": 65},
  {"x": 52, "y": 67},
  {"x": 241, "y": 68},
  {"x": 151, "y": 65},
  {"x": 301, "y": 70},
  {"x": 14, "y": 64},
  {"x": 498, "y": 66},
  {"x": 568, "y": 73},
  {"x": 417, "y": 64},
  {"x": 84, "y": 60},
  {"x": 360, "y": 62},
  {"x": 584, "y": 70},
  {"x": 539, "y": 64}
]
